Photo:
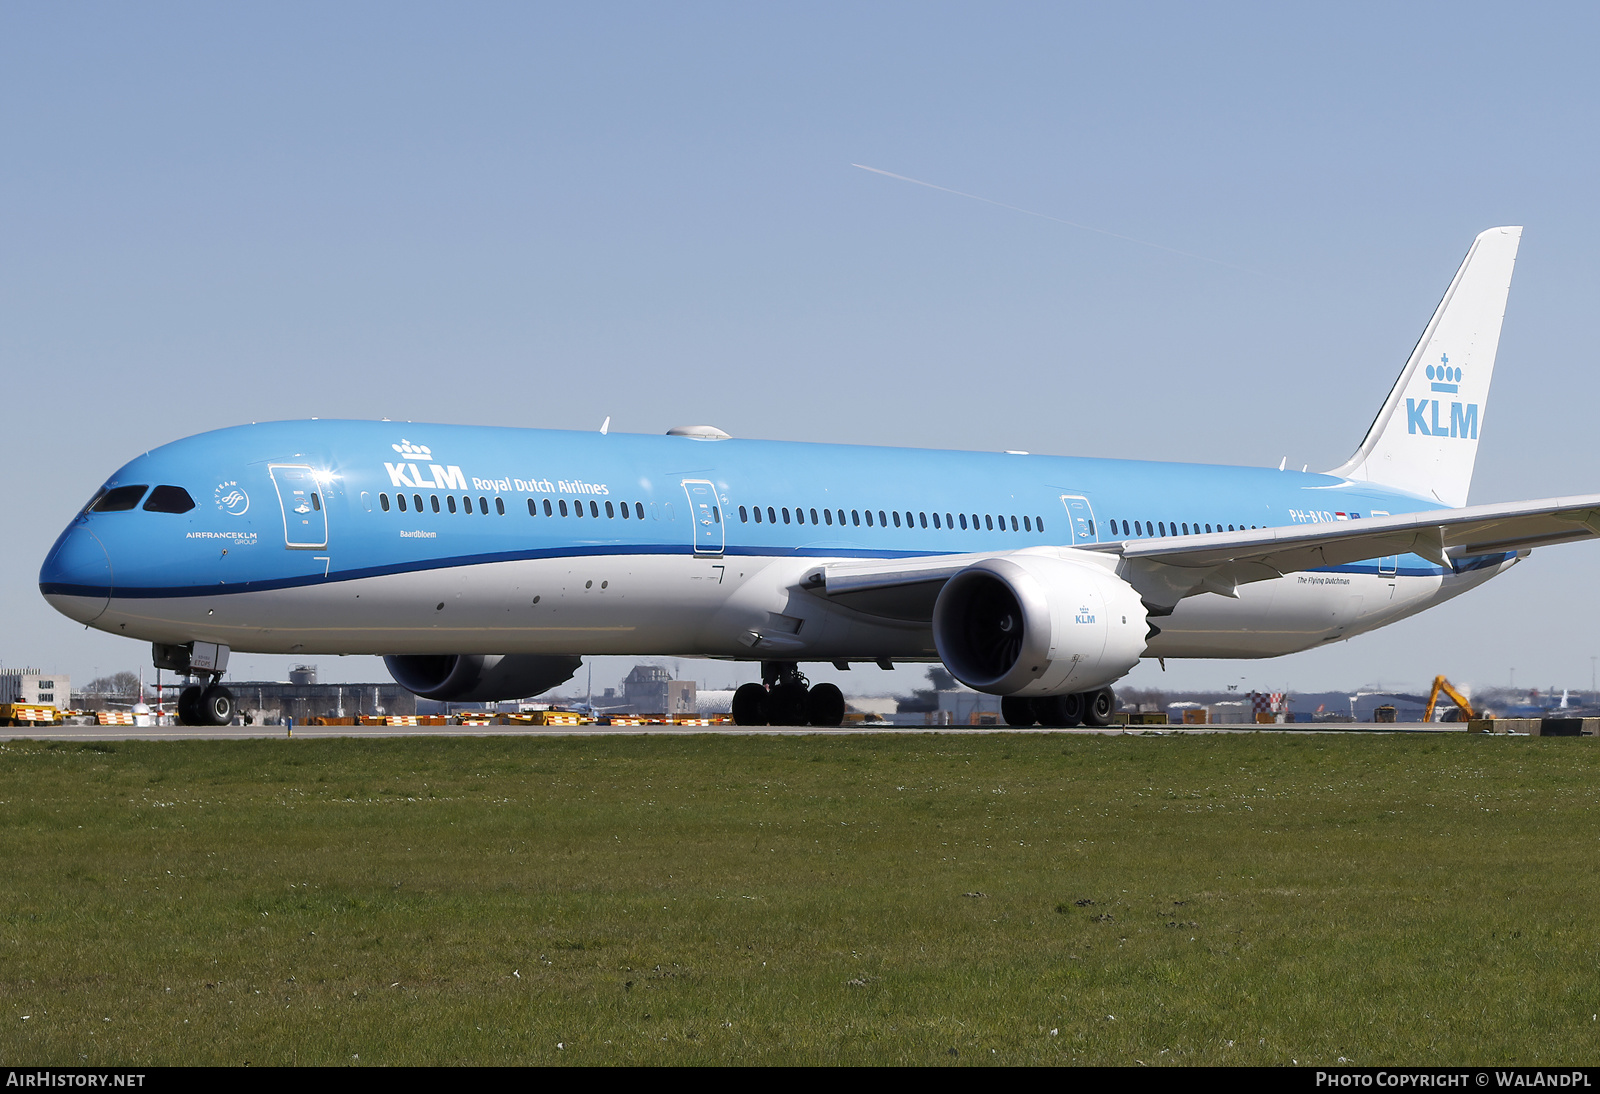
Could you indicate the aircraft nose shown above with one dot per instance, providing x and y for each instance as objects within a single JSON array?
[{"x": 76, "y": 576}]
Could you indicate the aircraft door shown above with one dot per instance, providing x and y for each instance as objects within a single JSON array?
[
  {"x": 305, "y": 513},
  {"x": 705, "y": 514},
  {"x": 1080, "y": 515}
]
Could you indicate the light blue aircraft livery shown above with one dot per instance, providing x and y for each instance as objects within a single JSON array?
[{"x": 484, "y": 562}]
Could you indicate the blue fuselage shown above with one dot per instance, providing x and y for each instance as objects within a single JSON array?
[{"x": 329, "y": 510}]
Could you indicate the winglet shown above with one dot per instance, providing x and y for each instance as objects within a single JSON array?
[{"x": 1425, "y": 438}]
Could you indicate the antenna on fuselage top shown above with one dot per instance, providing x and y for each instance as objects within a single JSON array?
[{"x": 605, "y": 425}]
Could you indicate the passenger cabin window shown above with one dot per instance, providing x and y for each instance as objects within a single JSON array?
[
  {"x": 119, "y": 500},
  {"x": 500, "y": 506},
  {"x": 547, "y": 510},
  {"x": 383, "y": 503},
  {"x": 400, "y": 500},
  {"x": 169, "y": 499}
]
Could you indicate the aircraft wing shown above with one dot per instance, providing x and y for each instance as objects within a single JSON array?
[{"x": 1165, "y": 569}]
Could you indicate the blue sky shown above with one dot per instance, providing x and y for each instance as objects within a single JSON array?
[{"x": 516, "y": 214}]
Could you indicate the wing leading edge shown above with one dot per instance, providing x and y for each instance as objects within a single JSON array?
[{"x": 1165, "y": 570}]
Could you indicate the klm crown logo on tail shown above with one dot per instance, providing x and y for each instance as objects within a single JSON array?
[{"x": 1422, "y": 415}]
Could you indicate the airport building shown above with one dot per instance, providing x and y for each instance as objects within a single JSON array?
[
  {"x": 269, "y": 702},
  {"x": 650, "y": 689},
  {"x": 33, "y": 687}
]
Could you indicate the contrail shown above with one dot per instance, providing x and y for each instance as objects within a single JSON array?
[{"x": 1059, "y": 220}]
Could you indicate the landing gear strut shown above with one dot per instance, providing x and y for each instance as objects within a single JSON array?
[
  {"x": 1090, "y": 708},
  {"x": 784, "y": 698}
]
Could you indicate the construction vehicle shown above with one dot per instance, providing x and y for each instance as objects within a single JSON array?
[{"x": 1463, "y": 711}]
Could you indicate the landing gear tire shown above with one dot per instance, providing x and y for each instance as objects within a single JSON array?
[
  {"x": 189, "y": 707},
  {"x": 1060, "y": 711},
  {"x": 1018, "y": 711},
  {"x": 786, "y": 705},
  {"x": 216, "y": 706},
  {"x": 825, "y": 705},
  {"x": 750, "y": 705},
  {"x": 1098, "y": 707}
]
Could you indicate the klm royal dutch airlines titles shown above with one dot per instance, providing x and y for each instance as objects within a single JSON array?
[{"x": 484, "y": 562}]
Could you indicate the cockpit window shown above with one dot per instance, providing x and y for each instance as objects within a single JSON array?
[
  {"x": 119, "y": 499},
  {"x": 169, "y": 499}
]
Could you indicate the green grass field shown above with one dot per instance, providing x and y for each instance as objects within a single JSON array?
[{"x": 1253, "y": 899}]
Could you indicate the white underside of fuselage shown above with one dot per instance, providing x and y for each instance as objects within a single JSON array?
[{"x": 732, "y": 607}]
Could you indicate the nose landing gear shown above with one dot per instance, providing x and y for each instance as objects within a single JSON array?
[
  {"x": 211, "y": 705},
  {"x": 207, "y": 704},
  {"x": 784, "y": 698}
]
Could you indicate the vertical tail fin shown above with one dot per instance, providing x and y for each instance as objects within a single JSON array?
[{"x": 1425, "y": 438}]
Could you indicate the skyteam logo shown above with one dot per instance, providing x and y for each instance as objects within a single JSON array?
[
  {"x": 232, "y": 499},
  {"x": 408, "y": 474},
  {"x": 1422, "y": 415}
]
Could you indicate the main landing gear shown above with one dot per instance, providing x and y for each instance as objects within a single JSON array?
[
  {"x": 783, "y": 698},
  {"x": 1089, "y": 708}
]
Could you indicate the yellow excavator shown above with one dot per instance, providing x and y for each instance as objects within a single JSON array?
[{"x": 1464, "y": 708}]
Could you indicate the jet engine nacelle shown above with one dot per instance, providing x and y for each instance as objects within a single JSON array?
[
  {"x": 480, "y": 678},
  {"x": 1038, "y": 624}
]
